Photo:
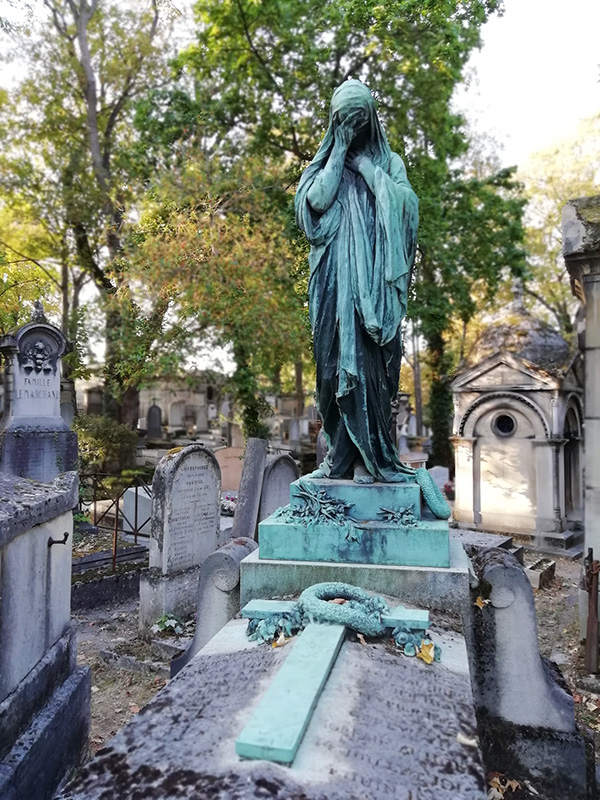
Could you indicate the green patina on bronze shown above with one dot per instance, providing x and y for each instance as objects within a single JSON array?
[{"x": 360, "y": 216}]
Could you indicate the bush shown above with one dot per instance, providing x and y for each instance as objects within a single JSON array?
[{"x": 104, "y": 445}]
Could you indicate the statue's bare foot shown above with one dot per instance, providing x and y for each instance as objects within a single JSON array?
[{"x": 361, "y": 475}]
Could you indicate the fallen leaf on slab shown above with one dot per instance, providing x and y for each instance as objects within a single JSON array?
[
  {"x": 495, "y": 794},
  {"x": 468, "y": 741},
  {"x": 338, "y": 601},
  {"x": 481, "y": 603},
  {"x": 134, "y": 709},
  {"x": 426, "y": 652},
  {"x": 513, "y": 785},
  {"x": 577, "y": 698},
  {"x": 360, "y": 638},
  {"x": 530, "y": 788},
  {"x": 281, "y": 641}
]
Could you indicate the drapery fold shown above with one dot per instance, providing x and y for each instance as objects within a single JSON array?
[{"x": 362, "y": 250}]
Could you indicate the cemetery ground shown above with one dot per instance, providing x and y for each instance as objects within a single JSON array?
[{"x": 128, "y": 671}]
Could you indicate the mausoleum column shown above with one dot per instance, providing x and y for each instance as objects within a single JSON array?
[
  {"x": 467, "y": 506},
  {"x": 581, "y": 251}
]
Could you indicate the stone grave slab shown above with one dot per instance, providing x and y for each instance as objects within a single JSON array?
[{"x": 385, "y": 726}]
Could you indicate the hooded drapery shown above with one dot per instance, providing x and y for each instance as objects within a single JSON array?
[{"x": 362, "y": 251}]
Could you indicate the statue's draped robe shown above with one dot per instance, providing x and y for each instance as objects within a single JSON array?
[{"x": 362, "y": 250}]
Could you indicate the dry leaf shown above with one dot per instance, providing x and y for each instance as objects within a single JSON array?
[
  {"x": 481, "y": 603},
  {"x": 360, "y": 638},
  {"x": 339, "y": 601},
  {"x": 281, "y": 641},
  {"x": 513, "y": 785},
  {"x": 577, "y": 698},
  {"x": 469, "y": 741},
  {"x": 426, "y": 652},
  {"x": 134, "y": 709},
  {"x": 495, "y": 794},
  {"x": 530, "y": 788}
]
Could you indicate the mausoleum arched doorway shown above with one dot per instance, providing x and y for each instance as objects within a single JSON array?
[{"x": 572, "y": 463}]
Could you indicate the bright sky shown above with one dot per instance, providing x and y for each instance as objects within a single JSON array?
[{"x": 537, "y": 74}]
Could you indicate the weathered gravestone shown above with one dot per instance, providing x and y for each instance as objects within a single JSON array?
[
  {"x": 524, "y": 708},
  {"x": 184, "y": 531},
  {"x": 35, "y": 441},
  {"x": 280, "y": 472},
  {"x": 154, "y": 422},
  {"x": 248, "y": 502}
]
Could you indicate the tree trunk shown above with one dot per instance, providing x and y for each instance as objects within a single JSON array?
[
  {"x": 129, "y": 408},
  {"x": 299, "y": 389},
  {"x": 440, "y": 405}
]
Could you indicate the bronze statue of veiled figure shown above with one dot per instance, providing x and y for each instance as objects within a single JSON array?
[{"x": 360, "y": 215}]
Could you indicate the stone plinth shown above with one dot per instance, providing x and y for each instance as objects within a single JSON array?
[
  {"x": 385, "y": 726},
  {"x": 341, "y": 521},
  {"x": 429, "y": 587}
]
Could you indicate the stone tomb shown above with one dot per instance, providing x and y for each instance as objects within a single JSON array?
[
  {"x": 185, "y": 530},
  {"x": 44, "y": 696},
  {"x": 35, "y": 442},
  {"x": 385, "y": 726}
]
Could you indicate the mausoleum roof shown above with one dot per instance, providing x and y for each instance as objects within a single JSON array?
[{"x": 516, "y": 331}]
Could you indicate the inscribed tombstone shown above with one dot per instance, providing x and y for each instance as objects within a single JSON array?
[{"x": 186, "y": 509}]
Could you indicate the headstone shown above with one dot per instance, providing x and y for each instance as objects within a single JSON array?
[
  {"x": 441, "y": 475},
  {"x": 248, "y": 502},
  {"x": 154, "y": 422},
  {"x": 294, "y": 431},
  {"x": 201, "y": 419},
  {"x": 230, "y": 461},
  {"x": 526, "y": 715},
  {"x": 280, "y": 472},
  {"x": 176, "y": 415},
  {"x": 35, "y": 441},
  {"x": 185, "y": 529}
]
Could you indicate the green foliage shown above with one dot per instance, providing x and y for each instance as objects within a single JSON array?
[
  {"x": 104, "y": 445},
  {"x": 552, "y": 177}
]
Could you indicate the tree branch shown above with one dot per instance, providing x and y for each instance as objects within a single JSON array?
[{"x": 31, "y": 261}]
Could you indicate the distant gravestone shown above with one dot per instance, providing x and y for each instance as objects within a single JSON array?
[
  {"x": 154, "y": 422},
  {"x": 35, "y": 441},
  {"x": 176, "y": 415},
  {"x": 184, "y": 531},
  {"x": 248, "y": 502},
  {"x": 322, "y": 447},
  {"x": 231, "y": 461},
  {"x": 294, "y": 431},
  {"x": 280, "y": 471},
  {"x": 441, "y": 475}
]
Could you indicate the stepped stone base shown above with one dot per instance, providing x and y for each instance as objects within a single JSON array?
[{"x": 443, "y": 588}]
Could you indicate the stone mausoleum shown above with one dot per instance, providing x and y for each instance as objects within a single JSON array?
[{"x": 518, "y": 433}]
